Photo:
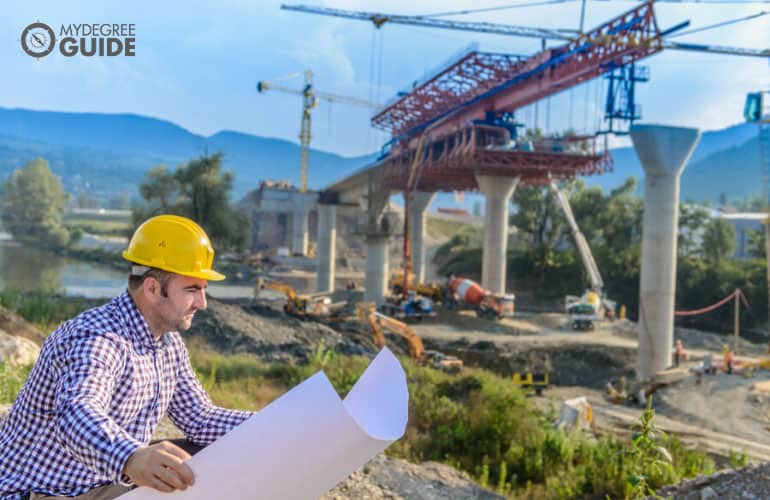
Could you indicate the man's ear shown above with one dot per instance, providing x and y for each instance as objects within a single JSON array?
[{"x": 151, "y": 288}]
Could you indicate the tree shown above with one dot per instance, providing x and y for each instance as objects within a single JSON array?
[
  {"x": 33, "y": 204},
  {"x": 198, "y": 190},
  {"x": 692, "y": 222},
  {"x": 756, "y": 244},
  {"x": 718, "y": 240},
  {"x": 159, "y": 187}
]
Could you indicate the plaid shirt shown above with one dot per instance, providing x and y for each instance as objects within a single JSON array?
[{"x": 95, "y": 395}]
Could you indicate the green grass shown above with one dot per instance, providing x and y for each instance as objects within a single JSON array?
[
  {"x": 46, "y": 310},
  {"x": 480, "y": 423},
  {"x": 11, "y": 380},
  {"x": 100, "y": 227}
]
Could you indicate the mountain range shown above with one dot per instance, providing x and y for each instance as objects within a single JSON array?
[{"x": 108, "y": 154}]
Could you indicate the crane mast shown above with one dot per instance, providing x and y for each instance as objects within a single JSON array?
[{"x": 310, "y": 99}]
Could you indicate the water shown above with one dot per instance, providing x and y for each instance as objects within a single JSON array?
[{"x": 27, "y": 268}]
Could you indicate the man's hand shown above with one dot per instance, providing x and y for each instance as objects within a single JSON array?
[{"x": 160, "y": 466}]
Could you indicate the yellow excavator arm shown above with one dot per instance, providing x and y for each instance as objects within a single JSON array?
[
  {"x": 283, "y": 288},
  {"x": 378, "y": 321}
]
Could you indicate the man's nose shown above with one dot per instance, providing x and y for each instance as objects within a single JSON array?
[{"x": 200, "y": 299}]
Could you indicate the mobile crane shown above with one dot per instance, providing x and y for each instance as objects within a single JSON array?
[{"x": 592, "y": 305}]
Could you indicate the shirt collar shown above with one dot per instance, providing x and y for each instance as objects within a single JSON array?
[{"x": 138, "y": 329}]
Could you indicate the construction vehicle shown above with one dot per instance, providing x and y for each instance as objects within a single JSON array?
[
  {"x": 592, "y": 306},
  {"x": 379, "y": 322},
  {"x": 412, "y": 308},
  {"x": 467, "y": 292},
  {"x": 306, "y": 306},
  {"x": 309, "y": 101},
  {"x": 537, "y": 381},
  {"x": 433, "y": 291}
]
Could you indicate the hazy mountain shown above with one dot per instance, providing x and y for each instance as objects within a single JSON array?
[
  {"x": 110, "y": 153},
  {"x": 106, "y": 154}
]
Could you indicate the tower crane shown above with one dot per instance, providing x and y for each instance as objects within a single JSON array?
[
  {"x": 757, "y": 111},
  {"x": 310, "y": 98},
  {"x": 379, "y": 19}
]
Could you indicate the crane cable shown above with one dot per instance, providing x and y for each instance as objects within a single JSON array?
[
  {"x": 719, "y": 25},
  {"x": 491, "y": 9}
]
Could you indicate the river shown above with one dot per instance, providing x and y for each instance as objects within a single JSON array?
[{"x": 27, "y": 268}]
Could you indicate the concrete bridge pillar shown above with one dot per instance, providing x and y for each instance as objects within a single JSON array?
[
  {"x": 376, "y": 234},
  {"x": 377, "y": 268},
  {"x": 418, "y": 213},
  {"x": 663, "y": 151},
  {"x": 497, "y": 192},
  {"x": 326, "y": 251},
  {"x": 299, "y": 225}
]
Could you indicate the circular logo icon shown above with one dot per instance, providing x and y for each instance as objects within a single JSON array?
[{"x": 38, "y": 40}]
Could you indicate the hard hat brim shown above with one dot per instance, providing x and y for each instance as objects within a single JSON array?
[{"x": 209, "y": 275}]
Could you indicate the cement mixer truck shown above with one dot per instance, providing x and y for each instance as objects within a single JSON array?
[{"x": 468, "y": 293}]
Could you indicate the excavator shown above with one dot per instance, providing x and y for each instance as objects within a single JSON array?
[
  {"x": 592, "y": 306},
  {"x": 379, "y": 322},
  {"x": 316, "y": 306}
]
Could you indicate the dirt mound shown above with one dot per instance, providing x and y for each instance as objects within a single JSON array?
[
  {"x": 587, "y": 365},
  {"x": 242, "y": 327},
  {"x": 387, "y": 478}
]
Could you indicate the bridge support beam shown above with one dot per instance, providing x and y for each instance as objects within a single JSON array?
[
  {"x": 326, "y": 251},
  {"x": 418, "y": 215},
  {"x": 663, "y": 151},
  {"x": 497, "y": 192}
]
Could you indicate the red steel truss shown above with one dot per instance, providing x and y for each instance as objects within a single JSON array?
[
  {"x": 483, "y": 82},
  {"x": 451, "y": 162}
]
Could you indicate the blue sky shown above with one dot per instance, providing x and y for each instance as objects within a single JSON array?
[{"x": 197, "y": 64}]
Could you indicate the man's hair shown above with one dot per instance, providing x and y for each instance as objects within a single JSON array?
[{"x": 135, "y": 281}]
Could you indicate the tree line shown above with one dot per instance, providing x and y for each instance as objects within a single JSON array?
[
  {"x": 34, "y": 202},
  {"x": 546, "y": 263}
]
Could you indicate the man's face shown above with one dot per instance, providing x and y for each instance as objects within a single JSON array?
[{"x": 184, "y": 296}]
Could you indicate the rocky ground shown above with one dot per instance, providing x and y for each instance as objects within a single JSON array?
[{"x": 723, "y": 414}]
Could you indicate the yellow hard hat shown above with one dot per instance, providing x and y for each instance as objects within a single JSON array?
[{"x": 174, "y": 244}]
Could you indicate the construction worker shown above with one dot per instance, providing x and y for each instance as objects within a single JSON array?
[
  {"x": 679, "y": 353},
  {"x": 727, "y": 358},
  {"x": 81, "y": 425}
]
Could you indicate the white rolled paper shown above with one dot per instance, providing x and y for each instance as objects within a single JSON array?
[{"x": 303, "y": 443}]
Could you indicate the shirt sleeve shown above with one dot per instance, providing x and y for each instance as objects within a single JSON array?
[
  {"x": 90, "y": 366},
  {"x": 193, "y": 412}
]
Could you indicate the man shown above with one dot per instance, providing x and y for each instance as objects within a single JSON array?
[{"x": 82, "y": 423}]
